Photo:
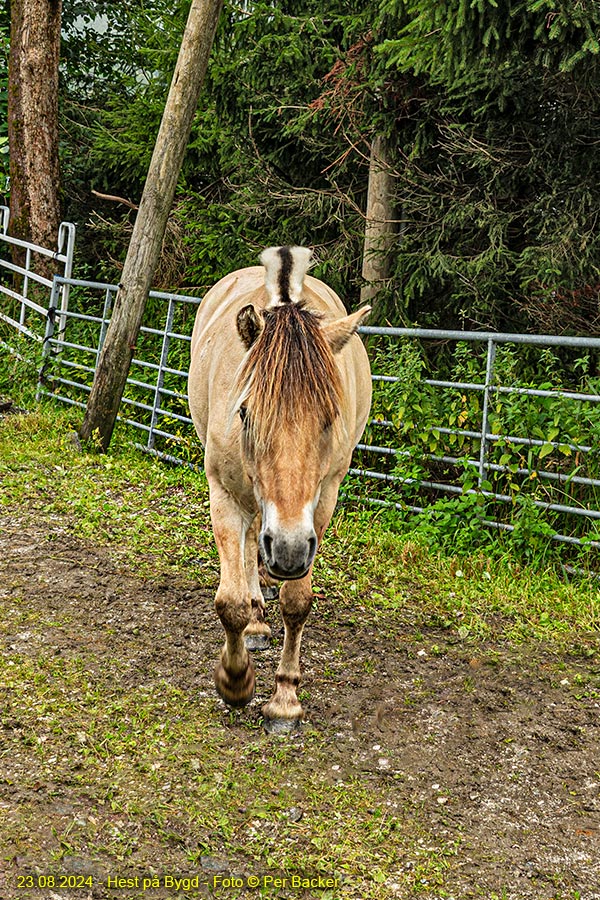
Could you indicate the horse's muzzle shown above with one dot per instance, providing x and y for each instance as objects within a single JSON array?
[{"x": 287, "y": 556}]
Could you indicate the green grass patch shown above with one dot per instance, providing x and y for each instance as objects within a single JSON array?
[
  {"x": 158, "y": 771},
  {"x": 151, "y": 514},
  {"x": 126, "y": 775},
  {"x": 367, "y": 562},
  {"x": 154, "y": 515}
]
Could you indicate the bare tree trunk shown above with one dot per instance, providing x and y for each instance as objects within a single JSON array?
[
  {"x": 379, "y": 227},
  {"x": 33, "y": 120},
  {"x": 146, "y": 241}
]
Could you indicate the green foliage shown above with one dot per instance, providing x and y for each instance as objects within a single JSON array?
[
  {"x": 256, "y": 168},
  {"x": 443, "y": 39},
  {"x": 111, "y": 50},
  {"x": 116, "y": 65},
  {"x": 534, "y": 458},
  {"x": 18, "y": 367},
  {"x": 499, "y": 177},
  {"x": 492, "y": 113},
  {"x": 266, "y": 155}
]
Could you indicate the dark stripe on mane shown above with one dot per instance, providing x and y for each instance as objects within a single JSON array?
[
  {"x": 287, "y": 262},
  {"x": 289, "y": 380}
]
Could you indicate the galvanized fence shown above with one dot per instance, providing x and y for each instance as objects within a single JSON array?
[
  {"x": 549, "y": 464},
  {"x": 543, "y": 467},
  {"x": 25, "y": 289},
  {"x": 155, "y": 398}
]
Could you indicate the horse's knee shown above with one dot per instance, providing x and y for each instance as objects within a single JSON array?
[
  {"x": 295, "y": 604},
  {"x": 234, "y": 611}
]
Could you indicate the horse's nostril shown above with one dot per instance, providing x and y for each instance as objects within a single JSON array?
[
  {"x": 312, "y": 547},
  {"x": 267, "y": 542}
]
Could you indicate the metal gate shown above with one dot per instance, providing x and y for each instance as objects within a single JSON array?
[
  {"x": 554, "y": 465},
  {"x": 557, "y": 470},
  {"x": 24, "y": 288}
]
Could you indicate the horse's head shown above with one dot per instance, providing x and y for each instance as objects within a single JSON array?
[{"x": 290, "y": 400}]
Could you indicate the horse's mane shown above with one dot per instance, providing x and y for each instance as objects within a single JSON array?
[{"x": 289, "y": 379}]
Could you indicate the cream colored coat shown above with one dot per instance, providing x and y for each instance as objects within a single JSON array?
[{"x": 285, "y": 501}]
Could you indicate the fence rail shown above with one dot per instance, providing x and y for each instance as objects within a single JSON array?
[{"x": 156, "y": 388}]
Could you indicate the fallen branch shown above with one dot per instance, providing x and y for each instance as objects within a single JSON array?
[{"x": 115, "y": 199}]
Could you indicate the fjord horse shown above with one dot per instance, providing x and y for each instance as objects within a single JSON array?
[{"x": 279, "y": 391}]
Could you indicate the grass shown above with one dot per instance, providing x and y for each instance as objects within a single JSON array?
[
  {"x": 478, "y": 596},
  {"x": 137, "y": 752},
  {"x": 157, "y": 779},
  {"x": 153, "y": 515},
  {"x": 160, "y": 775}
]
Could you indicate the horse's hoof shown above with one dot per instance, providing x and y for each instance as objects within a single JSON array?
[
  {"x": 283, "y": 713},
  {"x": 281, "y": 726},
  {"x": 257, "y": 641},
  {"x": 236, "y": 692}
]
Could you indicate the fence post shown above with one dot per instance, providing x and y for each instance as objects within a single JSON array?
[
  {"x": 26, "y": 285},
  {"x": 489, "y": 376},
  {"x": 49, "y": 334},
  {"x": 160, "y": 378},
  {"x": 66, "y": 232},
  {"x": 105, "y": 314}
]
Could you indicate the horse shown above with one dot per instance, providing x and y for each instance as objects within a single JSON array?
[{"x": 279, "y": 393}]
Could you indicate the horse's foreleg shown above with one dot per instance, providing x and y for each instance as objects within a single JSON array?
[
  {"x": 257, "y": 634},
  {"x": 284, "y": 710},
  {"x": 234, "y": 674}
]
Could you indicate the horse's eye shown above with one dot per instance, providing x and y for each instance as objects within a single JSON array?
[{"x": 243, "y": 413}]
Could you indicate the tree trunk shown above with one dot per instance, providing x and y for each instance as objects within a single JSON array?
[
  {"x": 33, "y": 120},
  {"x": 146, "y": 241},
  {"x": 379, "y": 226}
]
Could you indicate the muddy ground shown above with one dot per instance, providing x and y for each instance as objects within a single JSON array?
[{"x": 495, "y": 746}]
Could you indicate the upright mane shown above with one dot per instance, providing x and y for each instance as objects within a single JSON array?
[{"x": 289, "y": 379}]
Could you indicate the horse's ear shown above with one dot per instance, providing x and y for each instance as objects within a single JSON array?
[
  {"x": 339, "y": 332},
  {"x": 249, "y": 325}
]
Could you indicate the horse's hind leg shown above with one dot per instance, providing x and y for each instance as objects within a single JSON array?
[
  {"x": 284, "y": 711},
  {"x": 234, "y": 674},
  {"x": 257, "y": 634}
]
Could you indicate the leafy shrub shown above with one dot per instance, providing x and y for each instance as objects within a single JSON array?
[{"x": 541, "y": 451}]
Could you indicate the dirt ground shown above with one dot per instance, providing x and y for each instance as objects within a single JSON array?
[{"x": 497, "y": 746}]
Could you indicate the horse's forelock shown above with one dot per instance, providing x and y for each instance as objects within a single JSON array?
[{"x": 289, "y": 380}]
